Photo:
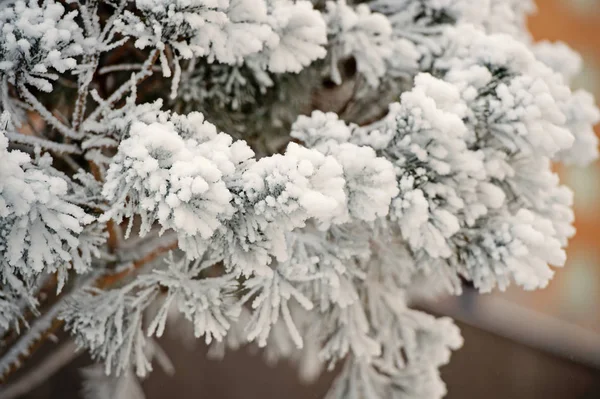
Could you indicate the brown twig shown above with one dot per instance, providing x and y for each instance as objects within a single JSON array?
[
  {"x": 111, "y": 279},
  {"x": 101, "y": 282}
]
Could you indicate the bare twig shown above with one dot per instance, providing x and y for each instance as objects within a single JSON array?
[
  {"x": 53, "y": 146},
  {"x": 118, "y": 94},
  {"x": 110, "y": 279},
  {"x": 46, "y": 114},
  {"x": 124, "y": 67}
]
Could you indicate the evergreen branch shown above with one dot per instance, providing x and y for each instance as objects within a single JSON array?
[
  {"x": 43, "y": 143},
  {"x": 322, "y": 241},
  {"x": 111, "y": 279},
  {"x": 118, "y": 94},
  {"x": 48, "y": 324},
  {"x": 47, "y": 115}
]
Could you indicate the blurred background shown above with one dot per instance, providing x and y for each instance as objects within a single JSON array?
[{"x": 542, "y": 344}]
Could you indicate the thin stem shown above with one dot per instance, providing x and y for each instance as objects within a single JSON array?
[
  {"x": 110, "y": 279},
  {"x": 84, "y": 84},
  {"x": 84, "y": 80},
  {"x": 134, "y": 249},
  {"x": 124, "y": 67},
  {"x": 70, "y": 162},
  {"x": 115, "y": 236},
  {"x": 109, "y": 26},
  {"x": 114, "y": 230},
  {"x": 118, "y": 94},
  {"x": 42, "y": 143},
  {"x": 46, "y": 114}
]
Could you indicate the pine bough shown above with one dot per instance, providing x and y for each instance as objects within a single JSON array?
[{"x": 373, "y": 152}]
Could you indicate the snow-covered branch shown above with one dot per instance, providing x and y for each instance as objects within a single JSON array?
[{"x": 223, "y": 192}]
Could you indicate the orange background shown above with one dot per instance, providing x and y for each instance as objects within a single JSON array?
[{"x": 574, "y": 294}]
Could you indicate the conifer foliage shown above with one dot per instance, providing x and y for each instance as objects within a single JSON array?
[{"x": 281, "y": 173}]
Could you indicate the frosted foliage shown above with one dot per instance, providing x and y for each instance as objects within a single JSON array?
[
  {"x": 580, "y": 110},
  {"x": 516, "y": 81},
  {"x": 173, "y": 180},
  {"x": 334, "y": 256},
  {"x": 501, "y": 16},
  {"x": 514, "y": 121},
  {"x": 582, "y": 114},
  {"x": 318, "y": 275},
  {"x": 518, "y": 248},
  {"x": 320, "y": 128},
  {"x": 369, "y": 179},
  {"x": 221, "y": 30},
  {"x": 534, "y": 176},
  {"x": 438, "y": 176},
  {"x": 273, "y": 303},
  {"x": 299, "y": 36},
  {"x": 113, "y": 125},
  {"x": 278, "y": 194},
  {"x": 110, "y": 326},
  {"x": 117, "y": 331},
  {"x": 173, "y": 174},
  {"x": 284, "y": 37},
  {"x": 290, "y": 174},
  {"x": 452, "y": 187},
  {"x": 560, "y": 57},
  {"x": 423, "y": 21},
  {"x": 37, "y": 41},
  {"x": 9, "y": 312},
  {"x": 209, "y": 303},
  {"x": 360, "y": 34},
  {"x": 415, "y": 344},
  {"x": 40, "y": 228}
]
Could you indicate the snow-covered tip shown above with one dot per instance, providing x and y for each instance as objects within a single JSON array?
[
  {"x": 438, "y": 175},
  {"x": 38, "y": 40},
  {"x": 319, "y": 128},
  {"x": 299, "y": 37},
  {"x": 515, "y": 248},
  {"x": 39, "y": 227},
  {"x": 359, "y": 33},
  {"x": 275, "y": 195},
  {"x": 172, "y": 173}
]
